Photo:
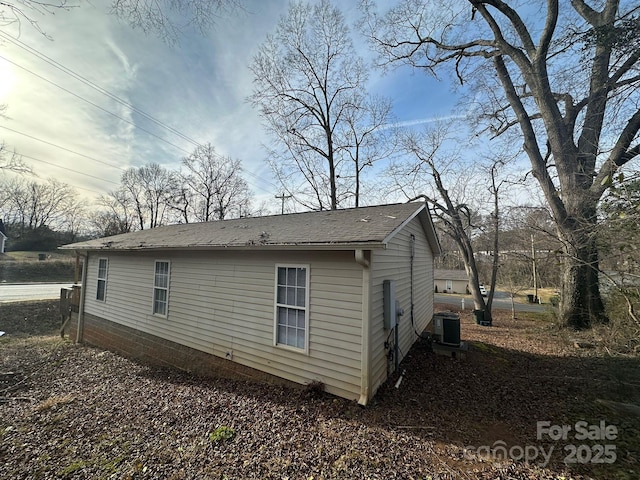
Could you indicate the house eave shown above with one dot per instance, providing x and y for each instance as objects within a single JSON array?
[
  {"x": 200, "y": 248},
  {"x": 425, "y": 219}
]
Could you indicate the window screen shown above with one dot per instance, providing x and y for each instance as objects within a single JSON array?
[{"x": 291, "y": 306}]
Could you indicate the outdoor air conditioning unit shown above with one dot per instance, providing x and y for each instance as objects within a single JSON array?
[{"x": 446, "y": 328}]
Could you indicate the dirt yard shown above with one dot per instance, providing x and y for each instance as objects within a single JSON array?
[{"x": 72, "y": 411}]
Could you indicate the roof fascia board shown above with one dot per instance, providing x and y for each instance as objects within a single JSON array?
[
  {"x": 389, "y": 237},
  {"x": 335, "y": 246},
  {"x": 427, "y": 226},
  {"x": 432, "y": 235}
]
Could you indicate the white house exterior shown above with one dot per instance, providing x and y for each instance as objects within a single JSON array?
[
  {"x": 451, "y": 281},
  {"x": 297, "y": 296}
]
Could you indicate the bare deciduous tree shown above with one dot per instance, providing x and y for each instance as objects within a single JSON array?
[
  {"x": 431, "y": 167},
  {"x": 369, "y": 137},
  {"x": 148, "y": 189},
  {"x": 11, "y": 161},
  {"x": 211, "y": 187},
  {"x": 159, "y": 16},
  {"x": 621, "y": 225},
  {"x": 17, "y": 11},
  {"x": 117, "y": 215},
  {"x": 165, "y": 18},
  {"x": 33, "y": 205},
  {"x": 566, "y": 77},
  {"x": 309, "y": 87},
  {"x": 510, "y": 274},
  {"x": 621, "y": 234}
]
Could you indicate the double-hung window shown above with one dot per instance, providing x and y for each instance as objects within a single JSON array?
[
  {"x": 161, "y": 288},
  {"x": 292, "y": 311},
  {"x": 101, "y": 290}
]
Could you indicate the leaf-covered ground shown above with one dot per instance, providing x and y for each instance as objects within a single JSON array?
[{"x": 71, "y": 411}]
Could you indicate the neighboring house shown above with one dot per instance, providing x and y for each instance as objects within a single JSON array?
[
  {"x": 451, "y": 281},
  {"x": 3, "y": 237},
  {"x": 612, "y": 280},
  {"x": 297, "y": 296}
]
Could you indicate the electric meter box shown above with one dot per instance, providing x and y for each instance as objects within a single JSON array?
[{"x": 389, "y": 304}]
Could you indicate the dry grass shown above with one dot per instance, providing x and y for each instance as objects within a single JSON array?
[
  {"x": 22, "y": 266},
  {"x": 24, "y": 256},
  {"x": 54, "y": 402},
  {"x": 544, "y": 294}
]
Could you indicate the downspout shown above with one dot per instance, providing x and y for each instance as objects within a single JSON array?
[
  {"x": 83, "y": 290},
  {"x": 76, "y": 269},
  {"x": 361, "y": 259}
]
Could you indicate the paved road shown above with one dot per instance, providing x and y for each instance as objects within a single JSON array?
[
  {"x": 501, "y": 303},
  {"x": 21, "y": 292},
  {"x": 44, "y": 291}
]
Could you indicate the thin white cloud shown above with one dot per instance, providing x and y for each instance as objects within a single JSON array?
[
  {"x": 424, "y": 121},
  {"x": 198, "y": 87},
  {"x": 56, "y": 110}
]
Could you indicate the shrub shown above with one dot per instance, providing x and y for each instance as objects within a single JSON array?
[
  {"x": 314, "y": 389},
  {"x": 622, "y": 334}
]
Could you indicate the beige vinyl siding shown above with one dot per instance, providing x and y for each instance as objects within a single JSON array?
[
  {"x": 223, "y": 301},
  {"x": 394, "y": 263}
]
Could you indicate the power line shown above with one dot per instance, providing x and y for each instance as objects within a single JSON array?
[
  {"x": 87, "y": 156},
  {"x": 63, "y": 148},
  {"x": 95, "y": 86},
  {"x": 79, "y": 187},
  {"x": 69, "y": 169},
  {"x": 96, "y": 105},
  {"x": 102, "y": 90}
]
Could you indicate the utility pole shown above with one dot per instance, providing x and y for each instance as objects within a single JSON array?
[
  {"x": 283, "y": 197},
  {"x": 535, "y": 272}
]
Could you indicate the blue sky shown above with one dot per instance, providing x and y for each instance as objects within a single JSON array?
[{"x": 198, "y": 87}]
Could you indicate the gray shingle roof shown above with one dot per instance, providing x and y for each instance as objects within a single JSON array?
[
  {"x": 364, "y": 226},
  {"x": 439, "y": 274}
]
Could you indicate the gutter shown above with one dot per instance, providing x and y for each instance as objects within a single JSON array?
[
  {"x": 361, "y": 259},
  {"x": 237, "y": 247},
  {"x": 83, "y": 291}
]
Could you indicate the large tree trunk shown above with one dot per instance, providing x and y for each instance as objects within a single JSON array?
[
  {"x": 581, "y": 304},
  {"x": 578, "y": 129},
  {"x": 474, "y": 281}
]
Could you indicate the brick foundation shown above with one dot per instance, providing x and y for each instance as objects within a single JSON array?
[{"x": 153, "y": 350}]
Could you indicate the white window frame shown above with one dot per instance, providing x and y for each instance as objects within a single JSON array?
[
  {"x": 102, "y": 279},
  {"x": 158, "y": 288},
  {"x": 305, "y": 309}
]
